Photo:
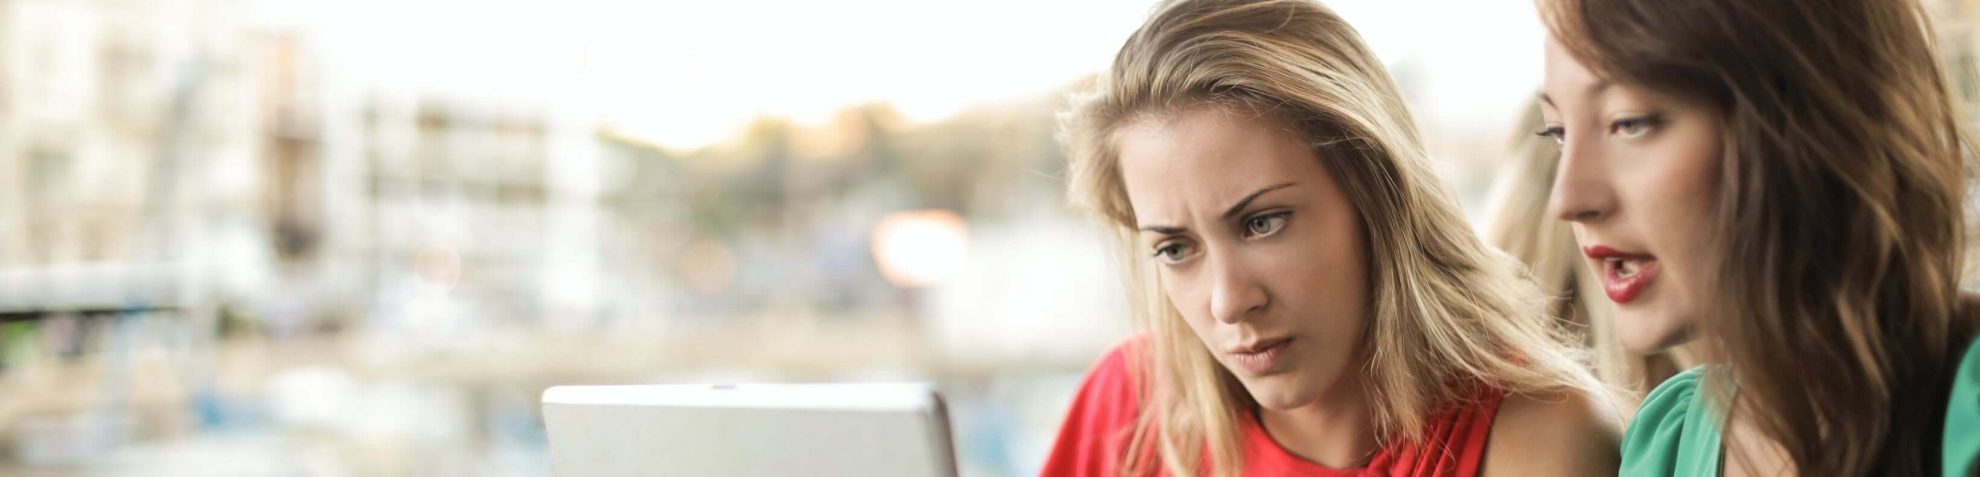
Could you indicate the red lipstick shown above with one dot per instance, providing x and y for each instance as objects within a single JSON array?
[{"x": 1624, "y": 275}]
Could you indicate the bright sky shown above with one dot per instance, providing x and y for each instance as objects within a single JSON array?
[{"x": 688, "y": 74}]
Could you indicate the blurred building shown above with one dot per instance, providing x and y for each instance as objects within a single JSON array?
[
  {"x": 217, "y": 246},
  {"x": 129, "y": 202},
  {"x": 127, "y": 151}
]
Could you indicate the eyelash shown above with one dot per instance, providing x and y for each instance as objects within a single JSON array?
[
  {"x": 1279, "y": 217},
  {"x": 1165, "y": 249},
  {"x": 1556, "y": 133},
  {"x": 1647, "y": 123}
]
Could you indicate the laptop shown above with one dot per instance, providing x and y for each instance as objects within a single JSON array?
[{"x": 748, "y": 430}]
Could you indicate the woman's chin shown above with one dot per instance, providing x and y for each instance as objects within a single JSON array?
[
  {"x": 1649, "y": 331},
  {"x": 1276, "y": 396}
]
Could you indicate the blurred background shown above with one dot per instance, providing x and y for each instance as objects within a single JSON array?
[{"x": 296, "y": 238}]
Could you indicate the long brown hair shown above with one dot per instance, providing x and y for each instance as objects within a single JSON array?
[
  {"x": 1445, "y": 309},
  {"x": 1843, "y": 184}
]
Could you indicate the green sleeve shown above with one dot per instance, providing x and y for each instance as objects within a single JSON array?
[
  {"x": 1674, "y": 433},
  {"x": 1962, "y": 438}
]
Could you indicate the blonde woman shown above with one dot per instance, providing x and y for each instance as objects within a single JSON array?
[
  {"x": 1522, "y": 226},
  {"x": 1314, "y": 302}
]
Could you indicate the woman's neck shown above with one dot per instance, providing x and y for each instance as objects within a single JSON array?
[{"x": 1336, "y": 431}]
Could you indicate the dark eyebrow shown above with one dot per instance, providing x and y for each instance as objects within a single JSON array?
[
  {"x": 1232, "y": 212},
  {"x": 1228, "y": 213}
]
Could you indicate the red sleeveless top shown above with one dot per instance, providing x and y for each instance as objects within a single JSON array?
[{"x": 1095, "y": 435}]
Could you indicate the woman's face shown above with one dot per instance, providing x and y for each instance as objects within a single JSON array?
[
  {"x": 1257, "y": 247},
  {"x": 1638, "y": 179}
]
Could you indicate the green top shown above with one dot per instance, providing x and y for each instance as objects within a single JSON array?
[
  {"x": 1676, "y": 432},
  {"x": 1962, "y": 439}
]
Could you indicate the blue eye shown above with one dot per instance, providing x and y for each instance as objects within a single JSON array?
[
  {"x": 1266, "y": 224},
  {"x": 1172, "y": 252}
]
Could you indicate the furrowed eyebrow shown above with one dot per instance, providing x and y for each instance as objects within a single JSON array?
[
  {"x": 1228, "y": 213},
  {"x": 1232, "y": 212}
]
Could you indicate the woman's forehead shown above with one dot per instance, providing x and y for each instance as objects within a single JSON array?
[
  {"x": 1188, "y": 163},
  {"x": 1210, "y": 143}
]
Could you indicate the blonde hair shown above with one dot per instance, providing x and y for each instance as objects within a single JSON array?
[
  {"x": 1521, "y": 226},
  {"x": 1447, "y": 312}
]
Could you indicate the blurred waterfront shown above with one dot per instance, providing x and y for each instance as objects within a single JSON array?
[{"x": 276, "y": 237}]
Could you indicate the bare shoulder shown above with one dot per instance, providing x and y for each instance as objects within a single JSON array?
[{"x": 1571, "y": 432}]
